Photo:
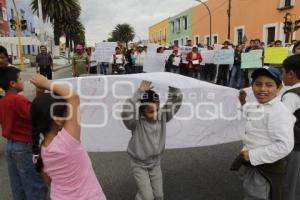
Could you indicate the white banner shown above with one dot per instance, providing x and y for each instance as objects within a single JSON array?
[
  {"x": 208, "y": 114},
  {"x": 152, "y": 48},
  {"x": 104, "y": 51}
]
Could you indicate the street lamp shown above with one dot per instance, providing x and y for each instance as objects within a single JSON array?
[{"x": 206, "y": 6}]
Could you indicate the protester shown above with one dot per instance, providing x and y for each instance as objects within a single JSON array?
[
  {"x": 44, "y": 63},
  {"x": 291, "y": 98},
  {"x": 129, "y": 57},
  {"x": 3, "y": 63},
  {"x": 139, "y": 57},
  {"x": 57, "y": 149},
  {"x": 194, "y": 59},
  {"x": 92, "y": 60},
  {"x": 223, "y": 70},
  {"x": 15, "y": 122},
  {"x": 148, "y": 139},
  {"x": 209, "y": 70},
  {"x": 173, "y": 62},
  {"x": 278, "y": 43},
  {"x": 296, "y": 47},
  {"x": 184, "y": 68},
  {"x": 118, "y": 62},
  {"x": 268, "y": 137},
  {"x": 80, "y": 62},
  {"x": 237, "y": 74}
]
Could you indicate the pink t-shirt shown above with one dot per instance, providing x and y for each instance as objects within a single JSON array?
[{"x": 68, "y": 165}]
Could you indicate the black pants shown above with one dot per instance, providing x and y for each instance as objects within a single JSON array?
[
  {"x": 93, "y": 70},
  {"x": 222, "y": 78},
  {"x": 47, "y": 72}
]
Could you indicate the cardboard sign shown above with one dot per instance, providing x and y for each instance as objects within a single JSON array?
[
  {"x": 253, "y": 59},
  {"x": 224, "y": 57},
  {"x": 104, "y": 51},
  {"x": 276, "y": 55}
]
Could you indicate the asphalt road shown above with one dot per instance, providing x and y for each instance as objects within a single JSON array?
[{"x": 189, "y": 174}]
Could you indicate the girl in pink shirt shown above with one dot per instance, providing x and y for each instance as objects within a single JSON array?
[{"x": 57, "y": 150}]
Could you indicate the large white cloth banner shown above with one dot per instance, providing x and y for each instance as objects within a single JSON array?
[
  {"x": 208, "y": 115},
  {"x": 104, "y": 51}
]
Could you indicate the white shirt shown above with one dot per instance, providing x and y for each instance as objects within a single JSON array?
[
  {"x": 139, "y": 58},
  {"x": 269, "y": 134},
  {"x": 292, "y": 100}
]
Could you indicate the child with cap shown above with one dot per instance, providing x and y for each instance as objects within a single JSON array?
[
  {"x": 268, "y": 137},
  {"x": 143, "y": 117},
  {"x": 291, "y": 98}
]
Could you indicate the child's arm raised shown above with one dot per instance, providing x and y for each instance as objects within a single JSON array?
[
  {"x": 173, "y": 103},
  {"x": 130, "y": 108},
  {"x": 71, "y": 124}
]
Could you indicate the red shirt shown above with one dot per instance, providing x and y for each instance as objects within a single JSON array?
[{"x": 15, "y": 117}]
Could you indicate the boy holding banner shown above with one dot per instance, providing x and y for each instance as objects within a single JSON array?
[
  {"x": 291, "y": 98},
  {"x": 142, "y": 115},
  {"x": 268, "y": 137}
]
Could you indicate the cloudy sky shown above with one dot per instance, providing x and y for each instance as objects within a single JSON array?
[{"x": 100, "y": 16}]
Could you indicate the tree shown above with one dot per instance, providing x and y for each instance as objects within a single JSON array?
[
  {"x": 74, "y": 32},
  {"x": 123, "y": 33},
  {"x": 58, "y": 12}
]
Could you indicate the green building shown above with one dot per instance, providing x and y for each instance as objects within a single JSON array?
[{"x": 181, "y": 27}]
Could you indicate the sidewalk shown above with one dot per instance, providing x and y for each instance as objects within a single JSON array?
[{"x": 29, "y": 89}]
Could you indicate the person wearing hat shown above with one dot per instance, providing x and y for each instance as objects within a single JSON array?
[
  {"x": 268, "y": 137},
  {"x": 80, "y": 62}
]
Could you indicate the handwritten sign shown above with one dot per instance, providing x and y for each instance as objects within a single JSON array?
[
  {"x": 253, "y": 59},
  {"x": 207, "y": 56},
  {"x": 104, "y": 51},
  {"x": 224, "y": 57},
  {"x": 276, "y": 55}
]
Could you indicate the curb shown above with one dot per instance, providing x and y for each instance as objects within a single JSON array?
[{"x": 61, "y": 67}]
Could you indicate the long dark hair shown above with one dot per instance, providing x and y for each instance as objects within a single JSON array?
[{"x": 41, "y": 119}]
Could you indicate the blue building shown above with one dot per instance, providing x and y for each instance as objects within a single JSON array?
[{"x": 25, "y": 13}]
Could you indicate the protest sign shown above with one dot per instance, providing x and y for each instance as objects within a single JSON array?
[
  {"x": 104, "y": 51},
  {"x": 276, "y": 55},
  {"x": 253, "y": 59},
  {"x": 224, "y": 57},
  {"x": 207, "y": 56}
]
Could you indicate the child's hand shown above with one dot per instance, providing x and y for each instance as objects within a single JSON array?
[
  {"x": 40, "y": 82},
  {"x": 242, "y": 97},
  {"x": 245, "y": 155},
  {"x": 145, "y": 86}
]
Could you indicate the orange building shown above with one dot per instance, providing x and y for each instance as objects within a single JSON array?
[
  {"x": 251, "y": 19},
  {"x": 4, "y": 31}
]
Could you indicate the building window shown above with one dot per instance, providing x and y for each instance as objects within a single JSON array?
[
  {"x": 1, "y": 13},
  {"x": 173, "y": 27},
  {"x": 206, "y": 41},
  {"x": 270, "y": 34},
  {"x": 165, "y": 36},
  {"x": 197, "y": 40},
  {"x": 177, "y": 26},
  {"x": 185, "y": 23},
  {"x": 240, "y": 35},
  {"x": 160, "y": 35},
  {"x": 182, "y": 41},
  {"x": 286, "y": 4},
  {"x": 215, "y": 39}
]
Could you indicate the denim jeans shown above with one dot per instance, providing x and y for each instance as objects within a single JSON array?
[
  {"x": 25, "y": 182},
  {"x": 237, "y": 77},
  {"x": 103, "y": 68}
]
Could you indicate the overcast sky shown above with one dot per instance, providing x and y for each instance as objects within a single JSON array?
[{"x": 100, "y": 16}]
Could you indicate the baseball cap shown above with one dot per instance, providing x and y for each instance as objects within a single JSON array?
[
  {"x": 79, "y": 46},
  {"x": 274, "y": 72}
]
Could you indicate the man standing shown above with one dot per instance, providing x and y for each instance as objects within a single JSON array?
[
  {"x": 44, "y": 63},
  {"x": 80, "y": 62}
]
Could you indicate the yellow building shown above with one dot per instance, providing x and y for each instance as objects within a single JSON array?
[{"x": 159, "y": 33}]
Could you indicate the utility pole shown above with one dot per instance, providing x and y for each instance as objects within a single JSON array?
[
  {"x": 229, "y": 19},
  {"x": 19, "y": 35},
  {"x": 41, "y": 22}
]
